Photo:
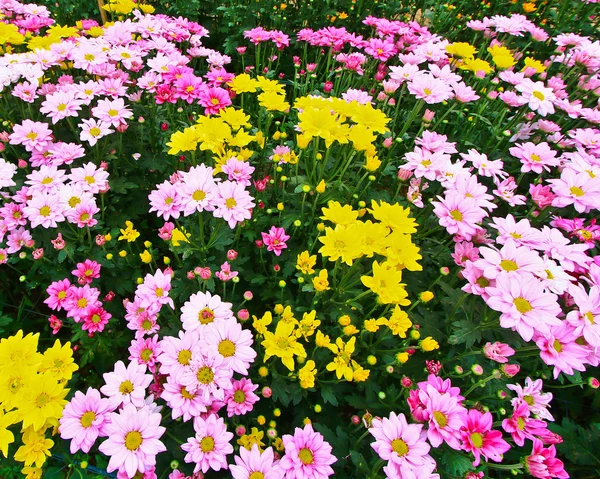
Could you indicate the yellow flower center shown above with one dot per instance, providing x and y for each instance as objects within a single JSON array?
[
  {"x": 400, "y": 447},
  {"x": 42, "y": 400},
  {"x": 215, "y": 101},
  {"x": 529, "y": 400},
  {"x": 74, "y": 201},
  {"x": 282, "y": 343},
  {"x": 84, "y": 217},
  {"x": 483, "y": 282},
  {"x": 61, "y": 107},
  {"x": 185, "y": 393},
  {"x": 90, "y": 180},
  {"x": 133, "y": 440},
  {"x": 184, "y": 357},
  {"x": 95, "y": 131},
  {"x": 45, "y": 211},
  {"x": 146, "y": 354},
  {"x": 168, "y": 201},
  {"x": 206, "y": 316},
  {"x": 32, "y": 135},
  {"x": 239, "y": 396},
  {"x": 46, "y": 181},
  {"x": 146, "y": 325},
  {"x": 521, "y": 423},
  {"x": 306, "y": 456},
  {"x": 126, "y": 387},
  {"x": 535, "y": 158},
  {"x": 477, "y": 440},
  {"x": 112, "y": 112},
  {"x": 61, "y": 295},
  {"x": 427, "y": 91},
  {"x": 89, "y": 57},
  {"x": 576, "y": 191},
  {"x": 523, "y": 306},
  {"x": 557, "y": 346},
  {"x": 590, "y": 317},
  {"x": 88, "y": 419},
  {"x": 230, "y": 203},
  {"x": 226, "y": 348},
  {"x": 539, "y": 95},
  {"x": 508, "y": 265},
  {"x": 207, "y": 444},
  {"x": 256, "y": 475},
  {"x": 82, "y": 303},
  {"x": 440, "y": 418},
  {"x": 205, "y": 375},
  {"x": 198, "y": 195},
  {"x": 456, "y": 215},
  {"x": 159, "y": 292}
]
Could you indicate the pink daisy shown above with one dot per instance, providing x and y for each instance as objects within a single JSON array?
[
  {"x": 182, "y": 402},
  {"x": 207, "y": 376},
  {"x": 533, "y": 396},
  {"x": 239, "y": 171},
  {"x": 510, "y": 260},
  {"x": 112, "y": 112},
  {"x": 79, "y": 300},
  {"x": 155, "y": 289},
  {"x": 83, "y": 214},
  {"x": 47, "y": 179},
  {"x": 498, "y": 352},
  {"x": 58, "y": 294},
  {"x": 559, "y": 348},
  {"x": 176, "y": 353},
  {"x": 95, "y": 319},
  {"x": 202, "y": 309},
  {"x": 542, "y": 462},
  {"x": 535, "y": 157},
  {"x": 240, "y": 398},
  {"x": 275, "y": 240},
  {"x": 307, "y": 455},
  {"x": 133, "y": 440},
  {"x": 444, "y": 419},
  {"x": 210, "y": 446},
  {"x": 577, "y": 189},
  {"x": 31, "y": 134},
  {"x": 233, "y": 203},
  {"x": 91, "y": 178},
  {"x": 92, "y": 130},
  {"x": 538, "y": 97},
  {"x": 432, "y": 90},
  {"x": 255, "y": 464},
  {"x": 60, "y": 105},
  {"x": 145, "y": 351},
  {"x": 586, "y": 319},
  {"x": 166, "y": 201},
  {"x": 213, "y": 99},
  {"x": 479, "y": 438},
  {"x": 87, "y": 271},
  {"x": 228, "y": 339},
  {"x": 85, "y": 418},
  {"x": 44, "y": 210},
  {"x": 458, "y": 215},
  {"x": 520, "y": 426},
  {"x": 127, "y": 385},
  {"x": 198, "y": 190}
]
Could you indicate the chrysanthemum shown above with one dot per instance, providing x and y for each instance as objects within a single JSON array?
[
  {"x": 182, "y": 402},
  {"x": 559, "y": 348},
  {"x": 399, "y": 442},
  {"x": 145, "y": 351},
  {"x": 202, "y": 309},
  {"x": 307, "y": 455},
  {"x": 479, "y": 438},
  {"x": 112, "y": 112},
  {"x": 31, "y": 134},
  {"x": 510, "y": 260},
  {"x": 197, "y": 190},
  {"x": 458, "y": 215},
  {"x": 126, "y": 385},
  {"x": 241, "y": 398},
  {"x": 539, "y": 97},
  {"x": 228, "y": 339},
  {"x": 213, "y": 99},
  {"x": 176, "y": 353},
  {"x": 155, "y": 289},
  {"x": 133, "y": 440},
  {"x": 41, "y": 400},
  {"x": 166, "y": 201},
  {"x": 84, "y": 419},
  {"x": 44, "y": 209},
  {"x": 95, "y": 319},
  {"x": 208, "y": 376},
  {"x": 233, "y": 203},
  {"x": 92, "y": 130},
  {"x": 61, "y": 104},
  {"x": 91, "y": 178},
  {"x": 430, "y": 89},
  {"x": 58, "y": 293},
  {"x": 444, "y": 418},
  {"x": 255, "y": 464},
  {"x": 79, "y": 300},
  {"x": 210, "y": 446}
]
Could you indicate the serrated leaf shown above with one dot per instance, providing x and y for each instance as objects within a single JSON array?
[
  {"x": 465, "y": 332},
  {"x": 328, "y": 395}
]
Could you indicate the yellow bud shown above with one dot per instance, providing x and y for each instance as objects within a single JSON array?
[
  {"x": 278, "y": 308},
  {"x": 107, "y": 237},
  {"x": 318, "y": 408},
  {"x": 263, "y": 372},
  {"x": 426, "y": 296},
  {"x": 109, "y": 256},
  {"x": 277, "y": 412},
  {"x": 415, "y": 334},
  {"x": 276, "y": 135},
  {"x": 139, "y": 280},
  {"x": 147, "y": 244},
  {"x": 280, "y": 206},
  {"x": 372, "y": 360},
  {"x": 321, "y": 187},
  {"x": 402, "y": 357},
  {"x": 272, "y": 424},
  {"x": 321, "y": 227},
  {"x": 306, "y": 421},
  {"x": 319, "y": 156},
  {"x": 122, "y": 253},
  {"x": 261, "y": 420},
  {"x": 344, "y": 320},
  {"x": 167, "y": 260}
]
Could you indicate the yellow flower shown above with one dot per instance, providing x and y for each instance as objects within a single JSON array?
[
  {"x": 372, "y": 163},
  {"x": 179, "y": 236},
  {"x": 123, "y": 253},
  {"x": 144, "y": 7},
  {"x": 243, "y": 84},
  {"x": 461, "y": 49},
  {"x": 385, "y": 282},
  {"x": 358, "y": 373},
  {"x": 35, "y": 448},
  {"x": 362, "y": 138},
  {"x": 129, "y": 233},
  {"x": 535, "y": 64},
  {"x": 529, "y": 7},
  {"x": 59, "y": 361},
  {"x": 273, "y": 101},
  {"x": 146, "y": 257},
  {"x": 283, "y": 344},
  {"x": 340, "y": 243},
  {"x": 402, "y": 252},
  {"x": 307, "y": 325},
  {"x": 350, "y": 330},
  {"x": 426, "y": 296},
  {"x": 402, "y": 357},
  {"x": 6, "y": 437},
  {"x": 371, "y": 325},
  {"x": 321, "y": 283},
  {"x": 307, "y": 374},
  {"x": 320, "y": 188},
  {"x": 369, "y": 117},
  {"x": 32, "y": 472},
  {"x": 393, "y": 216},
  {"x": 429, "y": 344},
  {"x": 9, "y": 33},
  {"x": 341, "y": 362},
  {"x": 235, "y": 118},
  {"x": 322, "y": 340},
  {"x": 19, "y": 351},
  {"x": 399, "y": 322},
  {"x": 278, "y": 444},
  {"x": 344, "y": 320},
  {"x": 260, "y": 325},
  {"x": 42, "y": 399},
  {"x": 476, "y": 65},
  {"x": 372, "y": 238},
  {"x": 255, "y": 437},
  {"x": 338, "y": 214},
  {"x": 270, "y": 86},
  {"x": 305, "y": 262}
]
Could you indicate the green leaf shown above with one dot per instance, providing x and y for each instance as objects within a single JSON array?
[
  {"x": 328, "y": 395},
  {"x": 465, "y": 332},
  {"x": 580, "y": 445},
  {"x": 456, "y": 463}
]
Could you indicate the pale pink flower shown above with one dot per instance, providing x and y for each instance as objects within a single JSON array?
[
  {"x": 112, "y": 112},
  {"x": 307, "y": 455},
  {"x": 133, "y": 440},
  {"x": 31, "y": 134},
  {"x": 176, "y": 353},
  {"x": 498, "y": 351},
  {"x": 535, "y": 157},
  {"x": 207, "y": 376},
  {"x": 202, "y": 309},
  {"x": 155, "y": 289},
  {"x": 92, "y": 130},
  {"x": 126, "y": 384},
  {"x": 145, "y": 351},
  {"x": 458, "y": 215},
  {"x": 91, "y": 178},
  {"x": 443, "y": 413},
  {"x": 210, "y": 446},
  {"x": 233, "y": 203},
  {"x": 254, "y": 464},
  {"x": 182, "y": 402},
  {"x": 558, "y": 348},
  {"x": 166, "y": 201},
  {"x": 228, "y": 339},
  {"x": 539, "y": 97},
  {"x": 239, "y": 171},
  {"x": 533, "y": 396},
  {"x": 430, "y": 89},
  {"x": 60, "y": 105},
  {"x": 510, "y": 259},
  {"x": 586, "y": 319},
  {"x": 578, "y": 189}
]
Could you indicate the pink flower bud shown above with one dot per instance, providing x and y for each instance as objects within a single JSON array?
[
  {"x": 296, "y": 60},
  {"x": 310, "y": 67},
  {"x": 30, "y": 243},
  {"x": 122, "y": 128},
  {"x": 593, "y": 383},
  {"x": 388, "y": 142},
  {"x": 243, "y": 314},
  {"x": 327, "y": 86},
  {"x": 169, "y": 271},
  {"x": 428, "y": 116},
  {"x": 240, "y": 430},
  {"x": 404, "y": 174},
  {"x": 266, "y": 392},
  {"x": 276, "y": 268},
  {"x": 381, "y": 96},
  {"x": 355, "y": 420},
  {"x": 21, "y": 163},
  {"x": 100, "y": 240},
  {"x": 248, "y": 295},
  {"x": 205, "y": 273},
  {"x": 109, "y": 296},
  {"x": 259, "y": 243},
  {"x": 241, "y": 50},
  {"x": 392, "y": 101},
  {"x": 380, "y": 75},
  {"x": 231, "y": 254},
  {"x": 406, "y": 382},
  {"x": 191, "y": 275},
  {"x": 510, "y": 370},
  {"x": 477, "y": 369}
]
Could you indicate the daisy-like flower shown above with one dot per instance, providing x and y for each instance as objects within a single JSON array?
[
  {"x": 210, "y": 446},
  {"x": 95, "y": 319},
  {"x": 559, "y": 348},
  {"x": 458, "y": 215},
  {"x": 44, "y": 210},
  {"x": 525, "y": 307},
  {"x": 133, "y": 440},
  {"x": 207, "y": 376},
  {"x": 202, "y": 309},
  {"x": 176, "y": 353},
  {"x": 275, "y": 240},
  {"x": 444, "y": 419},
  {"x": 84, "y": 419},
  {"x": 47, "y": 179},
  {"x": 58, "y": 294},
  {"x": 535, "y": 157},
  {"x": 577, "y": 189},
  {"x": 510, "y": 260},
  {"x": 239, "y": 171},
  {"x": 155, "y": 289},
  {"x": 533, "y": 396},
  {"x": 233, "y": 203},
  {"x": 90, "y": 178},
  {"x": 83, "y": 214},
  {"x": 79, "y": 300},
  {"x": 7, "y": 171},
  {"x": 32, "y": 135},
  {"x": 307, "y": 455},
  {"x": 542, "y": 462},
  {"x": 587, "y": 319},
  {"x": 112, "y": 112},
  {"x": 92, "y": 130},
  {"x": 197, "y": 190},
  {"x": 430, "y": 89},
  {"x": 228, "y": 339},
  {"x": 126, "y": 385},
  {"x": 399, "y": 442},
  {"x": 213, "y": 99},
  {"x": 61, "y": 104},
  {"x": 255, "y": 464},
  {"x": 479, "y": 438},
  {"x": 182, "y": 402},
  {"x": 520, "y": 426},
  {"x": 145, "y": 351},
  {"x": 166, "y": 201},
  {"x": 539, "y": 97},
  {"x": 241, "y": 398}
]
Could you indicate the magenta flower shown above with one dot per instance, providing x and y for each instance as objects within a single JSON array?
[
  {"x": 58, "y": 294},
  {"x": 559, "y": 348},
  {"x": 84, "y": 419},
  {"x": 210, "y": 446},
  {"x": 444, "y": 417},
  {"x": 275, "y": 240},
  {"x": 255, "y": 464},
  {"x": 307, "y": 455},
  {"x": 95, "y": 319},
  {"x": 542, "y": 462},
  {"x": 240, "y": 398},
  {"x": 520, "y": 426},
  {"x": 213, "y": 99},
  {"x": 479, "y": 438},
  {"x": 87, "y": 271},
  {"x": 133, "y": 440},
  {"x": 498, "y": 351}
]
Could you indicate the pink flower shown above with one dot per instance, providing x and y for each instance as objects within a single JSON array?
[
  {"x": 535, "y": 157},
  {"x": 533, "y": 396},
  {"x": 145, "y": 351},
  {"x": 226, "y": 273},
  {"x": 542, "y": 462},
  {"x": 95, "y": 319},
  {"x": 155, "y": 289},
  {"x": 254, "y": 464},
  {"x": 559, "y": 348},
  {"x": 444, "y": 417},
  {"x": 32, "y": 135},
  {"x": 307, "y": 455},
  {"x": 133, "y": 440},
  {"x": 458, "y": 215},
  {"x": 228, "y": 339},
  {"x": 44, "y": 209},
  {"x": 539, "y": 97},
  {"x": 240, "y": 398},
  {"x": 213, "y": 99},
  {"x": 166, "y": 201},
  {"x": 85, "y": 418},
  {"x": 87, "y": 271},
  {"x": 112, "y": 112},
  {"x": 60, "y": 105},
  {"x": 207, "y": 376},
  {"x": 432, "y": 90},
  {"x": 479, "y": 438},
  {"x": 498, "y": 352},
  {"x": 209, "y": 447},
  {"x": 182, "y": 402},
  {"x": 92, "y": 130},
  {"x": 202, "y": 309},
  {"x": 275, "y": 240},
  {"x": 239, "y": 171},
  {"x": 58, "y": 294},
  {"x": 399, "y": 442},
  {"x": 126, "y": 385},
  {"x": 233, "y": 203},
  {"x": 520, "y": 426},
  {"x": 578, "y": 189},
  {"x": 79, "y": 300},
  {"x": 511, "y": 260}
]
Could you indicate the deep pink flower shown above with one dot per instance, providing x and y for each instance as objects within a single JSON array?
[
  {"x": 240, "y": 398},
  {"x": 498, "y": 351},
  {"x": 479, "y": 438},
  {"x": 213, "y": 99},
  {"x": 542, "y": 462},
  {"x": 87, "y": 271},
  {"x": 275, "y": 240},
  {"x": 95, "y": 319}
]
